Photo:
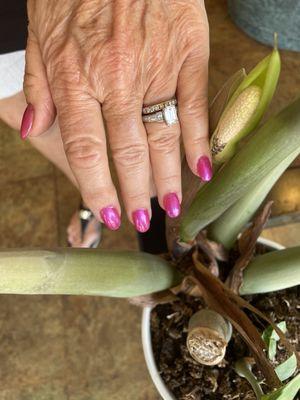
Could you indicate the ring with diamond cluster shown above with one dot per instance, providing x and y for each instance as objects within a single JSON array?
[{"x": 161, "y": 112}]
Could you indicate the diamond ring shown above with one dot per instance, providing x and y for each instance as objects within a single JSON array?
[{"x": 161, "y": 112}]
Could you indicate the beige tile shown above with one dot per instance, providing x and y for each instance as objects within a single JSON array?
[
  {"x": 46, "y": 391},
  {"x": 287, "y": 235},
  {"x": 67, "y": 201},
  {"x": 31, "y": 341},
  {"x": 28, "y": 216},
  {"x": 286, "y": 193},
  {"x": 19, "y": 160},
  {"x": 104, "y": 351}
]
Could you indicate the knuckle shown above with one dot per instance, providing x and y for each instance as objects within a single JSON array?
[
  {"x": 121, "y": 105},
  {"x": 64, "y": 68},
  {"x": 194, "y": 108},
  {"x": 120, "y": 53},
  {"x": 137, "y": 197},
  {"x": 84, "y": 153},
  {"x": 166, "y": 141},
  {"x": 131, "y": 157},
  {"x": 168, "y": 180}
]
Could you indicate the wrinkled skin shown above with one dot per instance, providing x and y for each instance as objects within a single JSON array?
[{"x": 90, "y": 61}]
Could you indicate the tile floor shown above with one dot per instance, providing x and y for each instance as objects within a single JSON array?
[{"x": 84, "y": 348}]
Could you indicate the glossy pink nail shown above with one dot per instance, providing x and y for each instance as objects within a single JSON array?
[
  {"x": 204, "y": 168},
  {"x": 141, "y": 220},
  {"x": 27, "y": 121},
  {"x": 111, "y": 218},
  {"x": 171, "y": 205}
]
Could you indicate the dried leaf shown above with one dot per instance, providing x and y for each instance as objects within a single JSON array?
[
  {"x": 247, "y": 245},
  {"x": 209, "y": 252},
  {"x": 189, "y": 286},
  {"x": 219, "y": 250},
  {"x": 225, "y": 302},
  {"x": 250, "y": 235},
  {"x": 153, "y": 299}
]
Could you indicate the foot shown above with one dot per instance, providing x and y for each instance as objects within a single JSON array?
[{"x": 83, "y": 237}]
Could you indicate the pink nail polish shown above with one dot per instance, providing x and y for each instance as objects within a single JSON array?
[
  {"x": 204, "y": 168},
  {"x": 111, "y": 218},
  {"x": 171, "y": 205},
  {"x": 141, "y": 220},
  {"x": 27, "y": 121}
]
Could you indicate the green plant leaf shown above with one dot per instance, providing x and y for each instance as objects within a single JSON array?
[
  {"x": 272, "y": 349},
  {"x": 286, "y": 392},
  {"x": 270, "y": 337},
  {"x": 230, "y": 224},
  {"x": 282, "y": 326},
  {"x": 270, "y": 333},
  {"x": 272, "y": 271},
  {"x": 286, "y": 369},
  {"x": 85, "y": 272},
  {"x": 276, "y": 140}
]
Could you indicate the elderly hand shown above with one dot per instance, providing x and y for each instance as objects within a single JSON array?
[{"x": 96, "y": 63}]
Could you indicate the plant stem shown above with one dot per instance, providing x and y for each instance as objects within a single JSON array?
[
  {"x": 208, "y": 336},
  {"x": 243, "y": 368},
  {"x": 272, "y": 271},
  {"x": 84, "y": 272}
]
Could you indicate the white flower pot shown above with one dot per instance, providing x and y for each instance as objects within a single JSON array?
[{"x": 147, "y": 343}]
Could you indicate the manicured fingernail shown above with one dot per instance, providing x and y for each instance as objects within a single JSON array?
[
  {"x": 111, "y": 218},
  {"x": 171, "y": 205},
  {"x": 204, "y": 168},
  {"x": 27, "y": 121},
  {"x": 141, "y": 220}
]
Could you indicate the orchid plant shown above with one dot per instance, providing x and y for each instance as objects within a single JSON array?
[{"x": 248, "y": 160}]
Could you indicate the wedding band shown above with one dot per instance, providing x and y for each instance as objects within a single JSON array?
[
  {"x": 161, "y": 112},
  {"x": 158, "y": 107}
]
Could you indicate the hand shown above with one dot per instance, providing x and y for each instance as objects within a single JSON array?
[{"x": 96, "y": 62}]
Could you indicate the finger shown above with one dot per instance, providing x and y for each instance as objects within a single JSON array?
[
  {"x": 128, "y": 142},
  {"x": 83, "y": 136},
  {"x": 193, "y": 113},
  {"x": 164, "y": 146},
  {"x": 40, "y": 112}
]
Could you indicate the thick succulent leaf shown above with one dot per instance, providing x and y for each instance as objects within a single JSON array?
[
  {"x": 227, "y": 227},
  {"x": 272, "y": 271},
  {"x": 84, "y": 272}
]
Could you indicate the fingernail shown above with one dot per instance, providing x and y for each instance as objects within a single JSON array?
[
  {"x": 27, "y": 121},
  {"x": 111, "y": 218},
  {"x": 141, "y": 220},
  {"x": 171, "y": 205},
  {"x": 204, "y": 168}
]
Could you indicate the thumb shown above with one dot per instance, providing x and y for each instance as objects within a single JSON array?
[{"x": 40, "y": 112}]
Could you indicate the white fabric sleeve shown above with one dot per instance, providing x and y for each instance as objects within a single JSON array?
[{"x": 12, "y": 67}]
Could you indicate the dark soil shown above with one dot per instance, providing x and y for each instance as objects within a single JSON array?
[{"x": 189, "y": 380}]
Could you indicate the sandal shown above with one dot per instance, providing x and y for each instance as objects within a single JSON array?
[{"x": 85, "y": 217}]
